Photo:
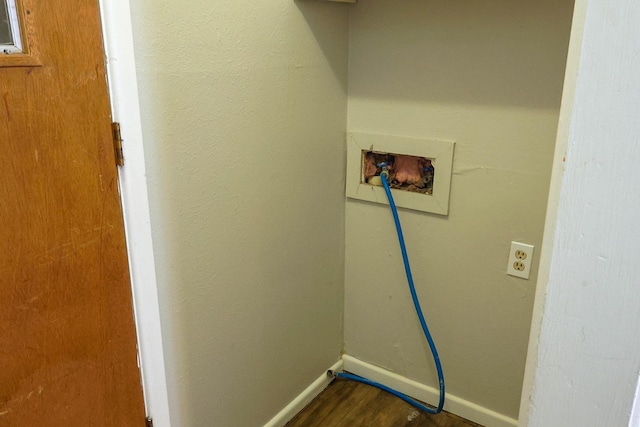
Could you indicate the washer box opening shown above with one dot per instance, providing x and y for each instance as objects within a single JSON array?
[
  {"x": 406, "y": 173},
  {"x": 420, "y": 170}
]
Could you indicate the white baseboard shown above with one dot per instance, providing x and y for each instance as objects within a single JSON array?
[
  {"x": 453, "y": 404},
  {"x": 303, "y": 399}
]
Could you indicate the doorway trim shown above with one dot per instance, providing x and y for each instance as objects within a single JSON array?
[
  {"x": 125, "y": 107},
  {"x": 553, "y": 202},
  {"x": 599, "y": 98}
]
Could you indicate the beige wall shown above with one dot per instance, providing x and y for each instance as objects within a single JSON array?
[
  {"x": 244, "y": 113},
  {"x": 251, "y": 272},
  {"x": 487, "y": 74}
]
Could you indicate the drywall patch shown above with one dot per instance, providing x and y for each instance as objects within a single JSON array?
[{"x": 364, "y": 148}]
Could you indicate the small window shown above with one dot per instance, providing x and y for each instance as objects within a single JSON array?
[{"x": 10, "y": 41}]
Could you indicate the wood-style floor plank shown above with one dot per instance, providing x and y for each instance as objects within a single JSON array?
[{"x": 351, "y": 404}]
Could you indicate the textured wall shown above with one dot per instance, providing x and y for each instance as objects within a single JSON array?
[
  {"x": 489, "y": 75},
  {"x": 588, "y": 356},
  {"x": 244, "y": 112}
]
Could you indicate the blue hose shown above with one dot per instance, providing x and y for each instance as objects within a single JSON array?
[{"x": 423, "y": 323}]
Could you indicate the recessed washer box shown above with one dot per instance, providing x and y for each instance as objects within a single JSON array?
[{"x": 435, "y": 157}]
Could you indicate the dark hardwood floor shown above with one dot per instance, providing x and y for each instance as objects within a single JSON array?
[{"x": 350, "y": 404}]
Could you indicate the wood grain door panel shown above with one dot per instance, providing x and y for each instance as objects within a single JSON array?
[{"x": 67, "y": 336}]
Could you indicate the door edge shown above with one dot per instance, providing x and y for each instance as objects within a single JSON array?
[{"x": 125, "y": 107}]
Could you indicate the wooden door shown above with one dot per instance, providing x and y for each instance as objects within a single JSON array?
[{"x": 67, "y": 338}]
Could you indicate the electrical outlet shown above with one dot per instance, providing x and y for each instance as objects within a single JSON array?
[{"x": 520, "y": 256}]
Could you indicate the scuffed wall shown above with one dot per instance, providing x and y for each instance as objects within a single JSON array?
[
  {"x": 244, "y": 116},
  {"x": 488, "y": 75}
]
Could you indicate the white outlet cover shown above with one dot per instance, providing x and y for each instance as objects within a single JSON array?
[
  {"x": 440, "y": 153},
  {"x": 528, "y": 250}
]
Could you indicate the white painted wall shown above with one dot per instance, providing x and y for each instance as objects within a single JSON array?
[
  {"x": 244, "y": 115},
  {"x": 588, "y": 356},
  {"x": 489, "y": 75},
  {"x": 635, "y": 413}
]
